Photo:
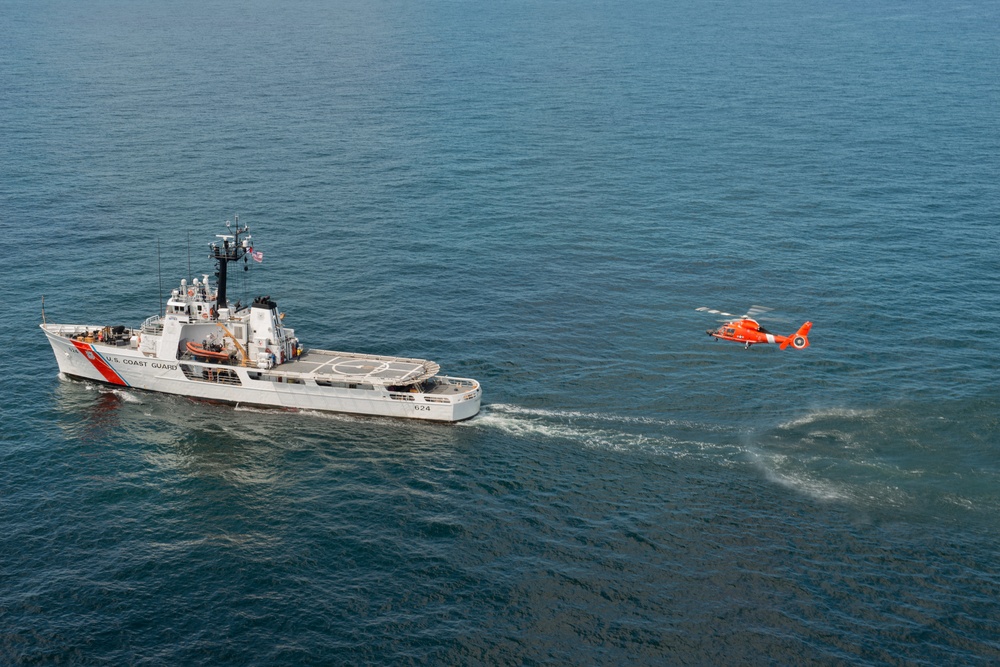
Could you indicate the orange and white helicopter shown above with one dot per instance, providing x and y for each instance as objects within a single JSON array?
[{"x": 745, "y": 329}]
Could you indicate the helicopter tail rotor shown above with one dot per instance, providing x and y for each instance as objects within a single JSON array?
[{"x": 800, "y": 339}]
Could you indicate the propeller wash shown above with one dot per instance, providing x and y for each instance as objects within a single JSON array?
[{"x": 203, "y": 347}]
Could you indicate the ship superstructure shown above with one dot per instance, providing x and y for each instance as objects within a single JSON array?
[{"x": 204, "y": 347}]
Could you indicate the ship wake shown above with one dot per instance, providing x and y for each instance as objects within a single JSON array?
[{"x": 597, "y": 430}]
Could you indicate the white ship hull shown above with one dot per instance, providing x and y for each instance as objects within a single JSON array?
[
  {"x": 202, "y": 346},
  {"x": 123, "y": 364}
]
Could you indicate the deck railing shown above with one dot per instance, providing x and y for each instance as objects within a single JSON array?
[
  {"x": 153, "y": 325},
  {"x": 206, "y": 374}
]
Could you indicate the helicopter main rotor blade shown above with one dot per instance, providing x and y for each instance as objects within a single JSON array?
[
  {"x": 706, "y": 309},
  {"x": 757, "y": 310},
  {"x": 754, "y": 313}
]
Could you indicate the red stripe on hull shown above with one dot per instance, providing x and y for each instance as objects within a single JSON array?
[{"x": 102, "y": 366}]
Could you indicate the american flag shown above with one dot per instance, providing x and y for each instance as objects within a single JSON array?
[{"x": 257, "y": 255}]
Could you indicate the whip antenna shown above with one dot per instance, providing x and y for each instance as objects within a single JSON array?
[{"x": 159, "y": 275}]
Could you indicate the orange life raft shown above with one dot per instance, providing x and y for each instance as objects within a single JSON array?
[{"x": 199, "y": 351}]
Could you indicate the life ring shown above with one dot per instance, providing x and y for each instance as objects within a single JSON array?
[
  {"x": 204, "y": 316},
  {"x": 190, "y": 292}
]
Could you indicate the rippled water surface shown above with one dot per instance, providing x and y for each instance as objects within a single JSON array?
[{"x": 536, "y": 195}]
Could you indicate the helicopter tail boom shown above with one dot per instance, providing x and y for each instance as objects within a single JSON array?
[{"x": 800, "y": 339}]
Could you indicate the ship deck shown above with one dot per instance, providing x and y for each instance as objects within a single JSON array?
[{"x": 359, "y": 368}]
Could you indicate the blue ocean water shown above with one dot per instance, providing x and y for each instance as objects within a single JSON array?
[{"x": 536, "y": 195}]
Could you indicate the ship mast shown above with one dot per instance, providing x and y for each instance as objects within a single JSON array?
[{"x": 235, "y": 247}]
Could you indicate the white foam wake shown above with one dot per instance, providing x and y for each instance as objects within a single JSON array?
[
  {"x": 507, "y": 408},
  {"x": 588, "y": 429},
  {"x": 828, "y": 413},
  {"x": 124, "y": 394}
]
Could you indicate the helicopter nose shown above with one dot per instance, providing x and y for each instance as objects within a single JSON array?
[{"x": 709, "y": 332}]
